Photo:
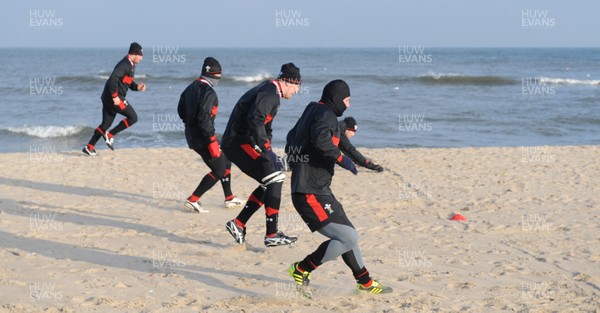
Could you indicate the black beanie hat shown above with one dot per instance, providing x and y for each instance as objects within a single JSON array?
[
  {"x": 334, "y": 94},
  {"x": 351, "y": 124},
  {"x": 290, "y": 73},
  {"x": 211, "y": 67},
  {"x": 135, "y": 48}
]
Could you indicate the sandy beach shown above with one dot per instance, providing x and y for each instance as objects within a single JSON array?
[{"x": 109, "y": 234}]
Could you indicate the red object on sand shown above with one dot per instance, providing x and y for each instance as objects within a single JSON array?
[{"x": 458, "y": 217}]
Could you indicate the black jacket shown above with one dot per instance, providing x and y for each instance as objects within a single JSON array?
[
  {"x": 253, "y": 115},
  {"x": 348, "y": 149},
  {"x": 120, "y": 80},
  {"x": 198, "y": 106},
  {"x": 312, "y": 149}
]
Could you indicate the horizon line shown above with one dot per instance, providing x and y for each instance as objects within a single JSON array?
[{"x": 307, "y": 47}]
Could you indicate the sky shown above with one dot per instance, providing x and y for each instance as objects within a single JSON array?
[{"x": 307, "y": 23}]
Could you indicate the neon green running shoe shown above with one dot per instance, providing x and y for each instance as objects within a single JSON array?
[
  {"x": 302, "y": 280},
  {"x": 375, "y": 288}
]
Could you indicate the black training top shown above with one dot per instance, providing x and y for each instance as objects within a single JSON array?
[
  {"x": 312, "y": 149},
  {"x": 253, "y": 115},
  {"x": 198, "y": 106},
  {"x": 120, "y": 80}
]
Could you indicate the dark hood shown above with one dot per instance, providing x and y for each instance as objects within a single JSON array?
[{"x": 334, "y": 94}]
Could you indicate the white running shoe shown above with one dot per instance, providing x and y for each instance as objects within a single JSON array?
[
  {"x": 195, "y": 206},
  {"x": 109, "y": 140},
  {"x": 230, "y": 204}
]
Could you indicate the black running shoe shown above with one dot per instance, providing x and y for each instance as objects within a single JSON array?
[
  {"x": 109, "y": 140},
  {"x": 238, "y": 233},
  {"x": 89, "y": 152},
  {"x": 280, "y": 239}
]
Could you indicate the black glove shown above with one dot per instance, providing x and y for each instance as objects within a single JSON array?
[
  {"x": 347, "y": 163},
  {"x": 373, "y": 166}
]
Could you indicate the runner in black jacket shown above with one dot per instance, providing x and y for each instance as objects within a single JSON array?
[
  {"x": 113, "y": 99},
  {"x": 348, "y": 128},
  {"x": 198, "y": 106},
  {"x": 312, "y": 149},
  {"x": 247, "y": 143}
]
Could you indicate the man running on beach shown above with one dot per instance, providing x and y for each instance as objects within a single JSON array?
[
  {"x": 247, "y": 143},
  {"x": 312, "y": 147},
  {"x": 198, "y": 106},
  {"x": 348, "y": 128},
  {"x": 113, "y": 99}
]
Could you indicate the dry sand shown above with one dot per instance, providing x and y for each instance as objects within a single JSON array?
[{"x": 109, "y": 234}]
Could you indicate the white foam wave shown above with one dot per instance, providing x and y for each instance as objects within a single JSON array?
[
  {"x": 568, "y": 81},
  {"x": 105, "y": 77},
  {"x": 45, "y": 131},
  {"x": 251, "y": 78},
  {"x": 441, "y": 75}
]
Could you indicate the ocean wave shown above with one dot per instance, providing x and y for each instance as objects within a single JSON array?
[
  {"x": 249, "y": 78},
  {"x": 92, "y": 78},
  {"x": 105, "y": 77},
  {"x": 568, "y": 81},
  {"x": 101, "y": 78},
  {"x": 459, "y": 79},
  {"x": 82, "y": 79},
  {"x": 45, "y": 131},
  {"x": 438, "y": 79},
  {"x": 429, "y": 79}
]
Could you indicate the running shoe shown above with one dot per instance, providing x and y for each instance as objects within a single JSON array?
[
  {"x": 302, "y": 280},
  {"x": 375, "y": 288},
  {"x": 89, "y": 152},
  {"x": 195, "y": 206},
  {"x": 280, "y": 239},
  {"x": 230, "y": 204},
  {"x": 109, "y": 140},
  {"x": 238, "y": 233}
]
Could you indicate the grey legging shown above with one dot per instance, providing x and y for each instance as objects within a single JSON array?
[{"x": 344, "y": 242}]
